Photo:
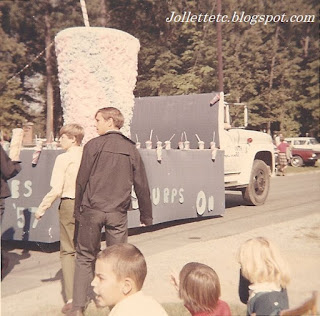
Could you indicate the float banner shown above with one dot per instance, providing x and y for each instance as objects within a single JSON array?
[
  {"x": 185, "y": 184},
  {"x": 181, "y": 114}
]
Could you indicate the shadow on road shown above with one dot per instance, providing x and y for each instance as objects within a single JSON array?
[{"x": 233, "y": 199}]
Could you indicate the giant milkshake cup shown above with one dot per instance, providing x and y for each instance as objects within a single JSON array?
[{"x": 97, "y": 68}]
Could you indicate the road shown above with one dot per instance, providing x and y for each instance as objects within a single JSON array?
[{"x": 292, "y": 199}]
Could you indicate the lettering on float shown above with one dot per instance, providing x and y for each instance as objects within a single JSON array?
[
  {"x": 18, "y": 190},
  {"x": 176, "y": 196}
]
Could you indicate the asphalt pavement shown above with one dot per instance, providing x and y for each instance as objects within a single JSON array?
[{"x": 32, "y": 283}]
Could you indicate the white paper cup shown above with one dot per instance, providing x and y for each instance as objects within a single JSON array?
[
  {"x": 138, "y": 144},
  {"x": 201, "y": 145},
  {"x": 181, "y": 145},
  {"x": 167, "y": 144},
  {"x": 149, "y": 144},
  {"x": 212, "y": 145},
  {"x": 159, "y": 144},
  {"x": 186, "y": 145}
]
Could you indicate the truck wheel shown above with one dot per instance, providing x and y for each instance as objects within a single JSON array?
[
  {"x": 258, "y": 188},
  {"x": 296, "y": 161}
]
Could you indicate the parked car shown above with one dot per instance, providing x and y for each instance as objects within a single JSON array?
[
  {"x": 303, "y": 156},
  {"x": 303, "y": 143},
  {"x": 300, "y": 157}
]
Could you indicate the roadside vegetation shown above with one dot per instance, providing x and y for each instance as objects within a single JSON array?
[
  {"x": 303, "y": 169},
  {"x": 273, "y": 68}
]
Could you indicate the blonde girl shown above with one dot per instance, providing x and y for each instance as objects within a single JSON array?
[{"x": 268, "y": 275}]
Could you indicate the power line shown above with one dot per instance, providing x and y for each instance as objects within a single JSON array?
[{"x": 26, "y": 67}]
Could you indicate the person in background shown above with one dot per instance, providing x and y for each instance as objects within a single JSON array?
[
  {"x": 277, "y": 136},
  {"x": 119, "y": 276},
  {"x": 284, "y": 155},
  {"x": 111, "y": 165},
  {"x": 63, "y": 183},
  {"x": 199, "y": 288},
  {"x": 8, "y": 169},
  {"x": 267, "y": 273}
]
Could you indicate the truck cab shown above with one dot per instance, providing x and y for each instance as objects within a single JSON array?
[{"x": 249, "y": 159}]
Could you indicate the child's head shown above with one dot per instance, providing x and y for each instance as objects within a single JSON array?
[
  {"x": 120, "y": 271},
  {"x": 261, "y": 262},
  {"x": 199, "y": 287},
  {"x": 74, "y": 132}
]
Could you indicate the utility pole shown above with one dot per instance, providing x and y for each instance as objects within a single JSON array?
[
  {"x": 49, "y": 73},
  {"x": 219, "y": 47}
]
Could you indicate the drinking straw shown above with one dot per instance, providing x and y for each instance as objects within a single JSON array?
[
  {"x": 84, "y": 13},
  {"x": 171, "y": 137}
]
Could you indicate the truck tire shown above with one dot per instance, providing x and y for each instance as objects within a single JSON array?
[
  {"x": 296, "y": 161},
  {"x": 258, "y": 188}
]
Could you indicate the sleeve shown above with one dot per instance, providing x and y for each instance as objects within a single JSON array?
[
  {"x": 87, "y": 162},
  {"x": 56, "y": 183},
  {"x": 243, "y": 288},
  {"x": 8, "y": 167},
  {"x": 141, "y": 187}
]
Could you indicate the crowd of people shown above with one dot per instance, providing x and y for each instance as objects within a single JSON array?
[{"x": 94, "y": 184}]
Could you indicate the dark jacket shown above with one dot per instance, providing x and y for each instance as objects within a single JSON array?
[
  {"x": 268, "y": 303},
  {"x": 8, "y": 169},
  {"x": 110, "y": 166}
]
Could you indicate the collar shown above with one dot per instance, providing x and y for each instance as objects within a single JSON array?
[
  {"x": 113, "y": 131},
  {"x": 263, "y": 287}
]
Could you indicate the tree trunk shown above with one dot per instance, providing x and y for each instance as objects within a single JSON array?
[
  {"x": 219, "y": 44},
  {"x": 103, "y": 13},
  {"x": 273, "y": 62},
  {"x": 49, "y": 90},
  {"x": 306, "y": 41}
]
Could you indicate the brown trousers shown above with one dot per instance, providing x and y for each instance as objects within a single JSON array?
[{"x": 67, "y": 249}]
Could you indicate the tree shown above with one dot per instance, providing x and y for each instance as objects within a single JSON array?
[{"x": 12, "y": 55}]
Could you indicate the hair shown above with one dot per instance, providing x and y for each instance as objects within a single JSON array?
[
  {"x": 199, "y": 287},
  {"x": 114, "y": 113},
  {"x": 127, "y": 261},
  {"x": 73, "y": 130},
  {"x": 261, "y": 261}
]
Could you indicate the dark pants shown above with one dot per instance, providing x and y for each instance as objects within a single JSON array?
[{"x": 88, "y": 242}]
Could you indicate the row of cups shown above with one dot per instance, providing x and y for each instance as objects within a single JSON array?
[{"x": 181, "y": 145}]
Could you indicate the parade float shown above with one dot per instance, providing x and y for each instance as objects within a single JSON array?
[{"x": 190, "y": 155}]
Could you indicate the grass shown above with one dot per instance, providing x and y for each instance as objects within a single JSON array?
[{"x": 303, "y": 169}]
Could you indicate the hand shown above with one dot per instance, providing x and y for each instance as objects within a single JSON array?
[
  {"x": 38, "y": 216},
  {"x": 174, "y": 279},
  {"x": 142, "y": 225}
]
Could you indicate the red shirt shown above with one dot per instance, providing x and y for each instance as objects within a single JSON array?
[
  {"x": 221, "y": 309},
  {"x": 282, "y": 147}
]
